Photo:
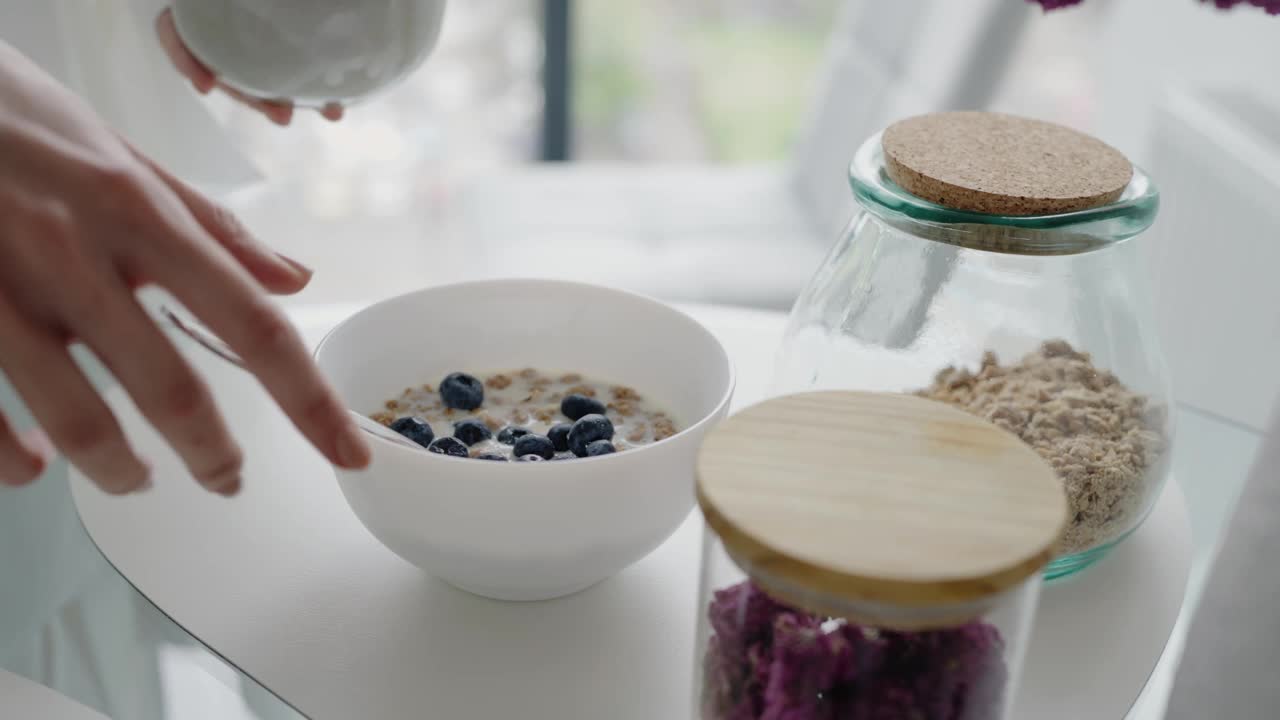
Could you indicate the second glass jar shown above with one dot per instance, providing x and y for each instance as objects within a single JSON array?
[
  {"x": 868, "y": 556},
  {"x": 1040, "y": 324}
]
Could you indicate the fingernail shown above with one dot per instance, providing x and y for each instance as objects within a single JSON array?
[
  {"x": 231, "y": 488},
  {"x": 353, "y": 452},
  {"x": 224, "y": 482},
  {"x": 297, "y": 266},
  {"x": 39, "y": 443},
  {"x": 225, "y": 486},
  {"x": 144, "y": 484}
]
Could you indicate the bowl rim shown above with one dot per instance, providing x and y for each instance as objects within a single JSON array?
[{"x": 721, "y": 404}]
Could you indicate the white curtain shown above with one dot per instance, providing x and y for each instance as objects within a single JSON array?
[{"x": 106, "y": 51}]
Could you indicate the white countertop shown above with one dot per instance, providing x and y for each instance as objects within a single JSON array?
[
  {"x": 287, "y": 585},
  {"x": 22, "y": 699}
]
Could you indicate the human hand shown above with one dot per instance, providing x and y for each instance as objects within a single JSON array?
[
  {"x": 85, "y": 220},
  {"x": 204, "y": 80}
]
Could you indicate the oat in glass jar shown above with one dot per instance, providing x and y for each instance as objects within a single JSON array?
[{"x": 993, "y": 264}]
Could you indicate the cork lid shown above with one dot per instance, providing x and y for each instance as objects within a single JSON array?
[
  {"x": 835, "y": 498},
  {"x": 1002, "y": 164}
]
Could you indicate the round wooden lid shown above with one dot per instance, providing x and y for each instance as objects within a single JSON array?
[
  {"x": 1002, "y": 164},
  {"x": 877, "y": 498}
]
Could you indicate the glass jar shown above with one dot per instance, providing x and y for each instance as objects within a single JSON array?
[
  {"x": 1039, "y": 323},
  {"x": 828, "y": 593}
]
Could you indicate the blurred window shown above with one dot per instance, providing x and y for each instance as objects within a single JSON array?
[
  {"x": 715, "y": 81},
  {"x": 719, "y": 81}
]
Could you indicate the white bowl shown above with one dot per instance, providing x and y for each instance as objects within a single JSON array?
[{"x": 527, "y": 531}]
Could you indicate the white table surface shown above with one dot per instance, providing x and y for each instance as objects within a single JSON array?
[
  {"x": 21, "y": 699},
  {"x": 287, "y": 585}
]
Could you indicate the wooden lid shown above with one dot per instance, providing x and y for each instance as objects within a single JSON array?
[
  {"x": 1002, "y": 164},
  {"x": 877, "y": 498}
]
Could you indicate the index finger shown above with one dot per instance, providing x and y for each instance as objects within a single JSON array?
[
  {"x": 206, "y": 279},
  {"x": 271, "y": 348}
]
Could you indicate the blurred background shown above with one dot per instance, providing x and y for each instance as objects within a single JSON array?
[
  {"x": 696, "y": 151},
  {"x": 651, "y": 145}
]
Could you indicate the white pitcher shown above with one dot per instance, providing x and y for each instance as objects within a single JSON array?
[{"x": 312, "y": 52}]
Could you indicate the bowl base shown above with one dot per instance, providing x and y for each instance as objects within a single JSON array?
[
  {"x": 521, "y": 594},
  {"x": 1070, "y": 564}
]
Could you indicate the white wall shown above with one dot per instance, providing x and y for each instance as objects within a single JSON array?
[
  {"x": 31, "y": 27},
  {"x": 1215, "y": 250},
  {"x": 1145, "y": 46}
]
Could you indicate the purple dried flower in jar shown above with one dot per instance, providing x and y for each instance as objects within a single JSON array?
[
  {"x": 742, "y": 614},
  {"x": 769, "y": 661},
  {"x": 1272, "y": 7},
  {"x": 1055, "y": 4},
  {"x": 738, "y": 654},
  {"x": 810, "y": 664}
]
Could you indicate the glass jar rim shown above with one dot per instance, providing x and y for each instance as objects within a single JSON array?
[{"x": 1053, "y": 234}]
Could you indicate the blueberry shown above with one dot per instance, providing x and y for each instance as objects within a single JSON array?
[
  {"x": 559, "y": 435},
  {"x": 461, "y": 391},
  {"x": 414, "y": 428},
  {"x": 448, "y": 446},
  {"x": 471, "y": 431},
  {"x": 530, "y": 458},
  {"x": 600, "y": 447},
  {"x": 534, "y": 445},
  {"x": 509, "y": 434},
  {"x": 587, "y": 430},
  {"x": 492, "y": 456},
  {"x": 574, "y": 406}
]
